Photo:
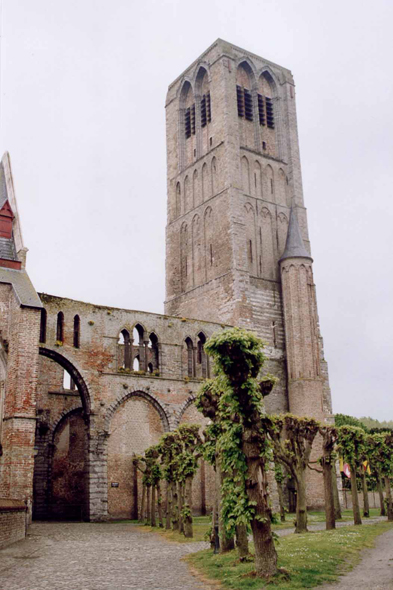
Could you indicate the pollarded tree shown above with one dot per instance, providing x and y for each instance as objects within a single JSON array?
[
  {"x": 190, "y": 442},
  {"x": 373, "y": 443},
  {"x": 169, "y": 449},
  {"x": 243, "y": 446},
  {"x": 153, "y": 477},
  {"x": 382, "y": 457},
  {"x": 292, "y": 439},
  {"x": 351, "y": 440}
]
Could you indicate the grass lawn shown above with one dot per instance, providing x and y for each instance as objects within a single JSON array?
[
  {"x": 201, "y": 525},
  {"x": 311, "y": 559},
  {"x": 315, "y": 517}
]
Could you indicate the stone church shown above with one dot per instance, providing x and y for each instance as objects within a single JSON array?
[{"x": 84, "y": 386}]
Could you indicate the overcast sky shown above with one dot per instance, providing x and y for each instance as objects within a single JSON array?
[{"x": 83, "y": 87}]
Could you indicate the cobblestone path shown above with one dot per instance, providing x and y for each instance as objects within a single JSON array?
[{"x": 102, "y": 556}]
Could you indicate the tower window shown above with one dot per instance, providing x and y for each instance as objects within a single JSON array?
[
  {"x": 264, "y": 145},
  {"x": 193, "y": 119},
  {"x": 248, "y": 105},
  {"x": 208, "y": 108},
  {"x": 261, "y": 110},
  {"x": 269, "y": 112},
  {"x": 240, "y": 101},
  {"x": 187, "y": 123}
]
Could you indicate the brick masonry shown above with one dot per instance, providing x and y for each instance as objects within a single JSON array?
[{"x": 134, "y": 375}]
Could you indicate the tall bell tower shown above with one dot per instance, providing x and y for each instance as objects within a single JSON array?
[{"x": 233, "y": 176}]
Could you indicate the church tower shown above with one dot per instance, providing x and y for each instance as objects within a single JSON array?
[{"x": 233, "y": 175}]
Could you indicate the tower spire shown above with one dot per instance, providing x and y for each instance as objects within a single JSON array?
[{"x": 294, "y": 247}]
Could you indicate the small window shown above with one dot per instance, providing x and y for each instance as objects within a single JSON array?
[
  {"x": 211, "y": 141},
  {"x": 240, "y": 101},
  {"x": 187, "y": 123},
  {"x": 250, "y": 250},
  {"x": 271, "y": 186},
  {"x": 43, "y": 326},
  {"x": 264, "y": 145},
  {"x": 193, "y": 119},
  {"x": 211, "y": 255},
  {"x": 190, "y": 357},
  {"x": 77, "y": 324},
  {"x": 60, "y": 327},
  {"x": 203, "y": 111},
  {"x": 208, "y": 108}
]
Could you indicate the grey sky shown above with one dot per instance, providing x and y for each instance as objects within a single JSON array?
[{"x": 82, "y": 114}]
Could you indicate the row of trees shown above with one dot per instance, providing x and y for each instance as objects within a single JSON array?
[{"x": 242, "y": 442}]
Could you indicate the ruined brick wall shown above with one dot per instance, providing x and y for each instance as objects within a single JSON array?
[
  {"x": 13, "y": 522},
  {"x": 20, "y": 327},
  {"x": 126, "y": 411}
]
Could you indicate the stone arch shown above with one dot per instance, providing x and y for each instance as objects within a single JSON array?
[
  {"x": 282, "y": 188},
  {"x": 75, "y": 375},
  {"x": 146, "y": 395},
  {"x": 186, "y": 137},
  {"x": 185, "y": 405},
  {"x": 134, "y": 422},
  {"x": 247, "y": 65},
  {"x": 201, "y": 70},
  {"x": 250, "y": 245}
]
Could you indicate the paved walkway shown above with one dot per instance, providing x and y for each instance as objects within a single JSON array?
[
  {"x": 87, "y": 556},
  {"x": 374, "y": 572}
]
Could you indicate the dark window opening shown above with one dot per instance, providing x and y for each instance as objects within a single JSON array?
[
  {"x": 264, "y": 145},
  {"x": 203, "y": 111},
  {"x": 187, "y": 123},
  {"x": 211, "y": 141},
  {"x": 269, "y": 113},
  {"x": 248, "y": 105},
  {"x": 271, "y": 186},
  {"x": 190, "y": 357},
  {"x": 150, "y": 368},
  {"x": 208, "y": 108},
  {"x": 255, "y": 179},
  {"x": 211, "y": 255},
  {"x": 274, "y": 334},
  {"x": 154, "y": 355},
  {"x": 60, "y": 327},
  {"x": 194, "y": 153},
  {"x": 43, "y": 326},
  {"x": 261, "y": 110},
  {"x": 193, "y": 119},
  {"x": 77, "y": 328},
  {"x": 201, "y": 355},
  {"x": 240, "y": 101}
]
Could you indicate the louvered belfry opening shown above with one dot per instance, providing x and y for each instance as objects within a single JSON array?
[
  {"x": 269, "y": 112},
  {"x": 261, "y": 110},
  {"x": 244, "y": 103}
]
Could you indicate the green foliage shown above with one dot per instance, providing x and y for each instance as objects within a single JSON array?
[
  {"x": 352, "y": 445},
  {"x": 344, "y": 420},
  {"x": 372, "y": 423},
  {"x": 380, "y": 452}
]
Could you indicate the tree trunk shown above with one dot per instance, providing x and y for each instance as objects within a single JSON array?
[
  {"x": 169, "y": 502},
  {"x": 188, "y": 532},
  {"x": 336, "y": 499},
  {"x": 175, "y": 508},
  {"x": 329, "y": 498},
  {"x": 301, "y": 502},
  {"x": 142, "y": 514},
  {"x": 148, "y": 513},
  {"x": 366, "y": 505},
  {"x": 355, "y": 499},
  {"x": 159, "y": 506},
  {"x": 281, "y": 501},
  {"x": 257, "y": 492},
  {"x": 215, "y": 538},
  {"x": 381, "y": 498},
  {"x": 153, "y": 506},
  {"x": 226, "y": 543},
  {"x": 180, "y": 495},
  {"x": 242, "y": 542},
  {"x": 389, "y": 499}
]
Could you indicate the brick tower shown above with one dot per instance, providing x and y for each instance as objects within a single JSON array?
[{"x": 233, "y": 176}]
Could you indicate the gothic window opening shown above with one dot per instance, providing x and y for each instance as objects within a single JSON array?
[
  {"x": 124, "y": 344},
  {"x": 211, "y": 254},
  {"x": 250, "y": 251},
  {"x": 201, "y": 354},
  {"x": 43, "y": 326},
  {"x": 136, "y": 364},
  {"x": 248, "y": 111},
  {"x": 240, "y": 101},
  {"x": 60, "y": 327},
  {"x": 150, "y": 368},
  {"x": 153, "y": 352},
  {"x": 190, "y": 357},
  {"x": 77, "y": 329}
]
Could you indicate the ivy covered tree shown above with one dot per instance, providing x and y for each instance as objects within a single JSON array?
[
  {"x": 292, "y": 439},
  {"x": 187, "y": 460},
  {"x": 351, "y": 441},
  {"x": 243, "y": 445},
  {"x": 169, "y": 449}
]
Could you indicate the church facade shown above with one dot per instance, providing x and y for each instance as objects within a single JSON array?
[{"x": 84, "y": 386}]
